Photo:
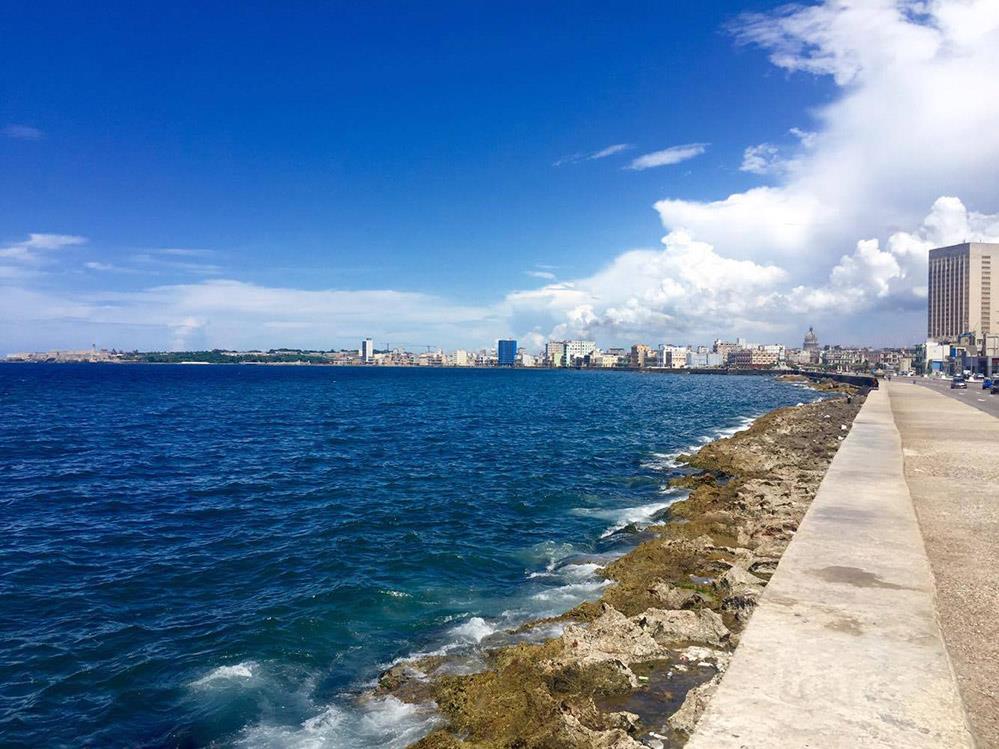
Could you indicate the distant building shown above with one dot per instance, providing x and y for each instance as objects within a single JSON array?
[
  {"x": 641, "y": 355},
  {"x": 672, "y": 357},
  {"x": 506, "y": 353},
  {"x": 811, "y": 341},
  {"x": 555, "y": 354},
  {"x": 696, "y": 359},
  {"x": 577, "y": 351},
  {"x": 960, "y": 291},
  {"x": 753, "y": 358},
  {"x": 367, "y": 350}
]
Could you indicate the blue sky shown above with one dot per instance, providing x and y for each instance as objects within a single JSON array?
[{"x": 436, "y": 150}]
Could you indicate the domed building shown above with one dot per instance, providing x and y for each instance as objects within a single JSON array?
[{"x": 811, "y": 341}]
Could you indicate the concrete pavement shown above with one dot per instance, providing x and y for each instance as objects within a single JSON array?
[
  {"x": 952, "y": 470},
  {"x": 973, "y": 396},
  {"x": 844, "y": 649}
]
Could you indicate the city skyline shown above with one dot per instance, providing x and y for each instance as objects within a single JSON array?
[{"x": 456, "y": 175}]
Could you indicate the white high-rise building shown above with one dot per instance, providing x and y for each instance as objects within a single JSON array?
[
  {"x": 575, "y": 351},
  {"x": 367, "y": 350},
  {"x": 960, "y": 291}
]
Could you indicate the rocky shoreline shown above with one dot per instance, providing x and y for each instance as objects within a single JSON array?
[{"x": 637, "y": 667}]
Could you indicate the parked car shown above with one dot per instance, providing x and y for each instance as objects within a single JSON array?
[
  {"x": 995, "y": 388},
  {"x": 987, "y": 383},
  {"x": 958, "y": 383}
]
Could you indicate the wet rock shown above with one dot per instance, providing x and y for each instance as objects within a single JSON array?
[
  {"x": 578, "y": 734},
  {"x": 685, "y": 719}
]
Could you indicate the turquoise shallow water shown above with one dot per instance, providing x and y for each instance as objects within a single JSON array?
[{"x": 227, "y": 555}]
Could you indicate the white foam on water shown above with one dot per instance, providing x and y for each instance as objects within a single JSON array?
[
  {"x": 474, "y": 630},
  {"x": 623, "y": 517},
  {"x": 567, "y": 596},
  {"x": 580, "y": 570},
  {"x": 378, "y": 723},
  {"x": 661, "y": 461},
  {"x": 227, "y": 675},
  {"x": 395, "y": 594}
]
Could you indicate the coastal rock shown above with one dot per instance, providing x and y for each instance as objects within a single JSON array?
[
  {"x": 740, "y": 590},
  {"x": 616, "y": 738},
  {"x": 685, "y": 719},
  {"x": 669, "y": 627},
  {"x": 672, "y": 597},
  {"x": 648, "y": 636},
  {"x": 611, "y": 636},
  {"x": 738, "y": 578}
]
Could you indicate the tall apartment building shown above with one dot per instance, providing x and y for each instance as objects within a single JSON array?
[
  {"x": 506, "y": 353},
  {"x": 960, "y": 291},
  {"x": 367, "y": 350}
]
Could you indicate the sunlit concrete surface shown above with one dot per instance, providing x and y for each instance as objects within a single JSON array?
[
  {"x": 951, "y": 451},
  {"x": 844, "y": 649}
]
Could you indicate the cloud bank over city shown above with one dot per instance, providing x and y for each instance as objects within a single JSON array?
[{"x": 836, "y": 231}]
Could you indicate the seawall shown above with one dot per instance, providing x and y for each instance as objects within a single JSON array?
[{"x": 844, "y": 648}]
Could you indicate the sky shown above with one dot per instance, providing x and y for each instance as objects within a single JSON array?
[{"x": 306, "y": 174}]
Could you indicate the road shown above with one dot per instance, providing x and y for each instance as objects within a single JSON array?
[{"x": 973, "y": 396}]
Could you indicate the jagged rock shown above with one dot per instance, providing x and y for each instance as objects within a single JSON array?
[
  {"x": 764, "y": 565},
  {"x": 685, "y": 719},
  {"x": 739, "y": 590},
  {"x": 671, "y": 627},
  {"x": 738, "y": 577},
  {"x": 579, "y": 735},
  {"x": 624, "y": 721},
  {"x": 700, "y": 654},
  {"x": 611, "y": 636},
  {"x": 672, "y": 597},
  {"x": 648, "y": 636}
]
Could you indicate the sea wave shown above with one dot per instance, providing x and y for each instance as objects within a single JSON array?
[
  {"x": 241, "y": 672},
  {"x": 385, "y": 722}
]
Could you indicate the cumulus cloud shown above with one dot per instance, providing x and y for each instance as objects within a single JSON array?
[
  {"x": 603, "y": 153},
  {"x": 686, "y": 287},
  {"x": 910, "y": 123},
  {"x": 689, "y": 290},
  {"x": 894, "y": 278},
  {"x": 668, "y": 156}
]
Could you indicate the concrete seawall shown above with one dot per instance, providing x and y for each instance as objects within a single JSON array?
[{"x": 844, "y": 649}]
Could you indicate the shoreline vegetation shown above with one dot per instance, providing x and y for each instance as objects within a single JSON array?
[{"x": 636, "y": 667}]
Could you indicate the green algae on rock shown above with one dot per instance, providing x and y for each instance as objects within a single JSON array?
[{"x": 671, "y": 616}]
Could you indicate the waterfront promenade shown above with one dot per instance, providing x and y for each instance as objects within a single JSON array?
[
  {"x": 886, "y": 592},
  {"x": 951, "y": 453}
]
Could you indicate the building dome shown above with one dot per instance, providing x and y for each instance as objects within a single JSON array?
[{"x": 811, "y": 340}]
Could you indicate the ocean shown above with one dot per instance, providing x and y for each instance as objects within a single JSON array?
[{"x": 230, "y": 555}]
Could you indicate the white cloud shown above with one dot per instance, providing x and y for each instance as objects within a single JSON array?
[
  {"x": 684, "y": 288},
  {"x": 668, "y": 156},
  {"x": 21, "y": 132},
  {"x": 911, "y": 121},
  {"x": 32, "y": 249},
  {"x": 603, "y": 153},
  {"x": 894, "y": 277},
  {"x": 228, "y": 313},
  {"x": 761, "y": 159},
  {"x": 544, "y": 274}
]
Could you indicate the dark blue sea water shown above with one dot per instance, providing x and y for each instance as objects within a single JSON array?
[{"x": 199, "y": 555}]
